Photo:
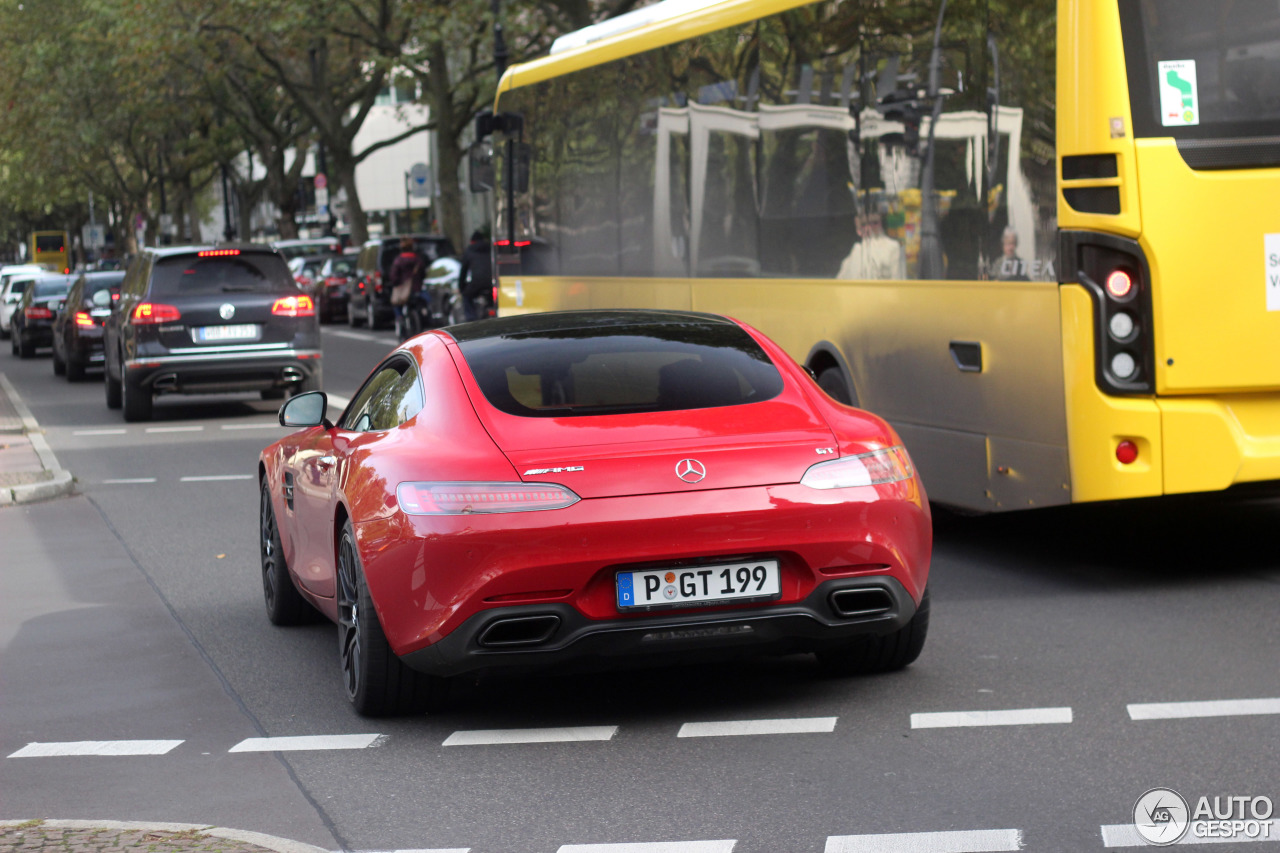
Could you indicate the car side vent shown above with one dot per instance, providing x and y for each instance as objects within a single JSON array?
[
  {"x": 1104, "y": 200},
  {"x": 1087, "y": 167}
]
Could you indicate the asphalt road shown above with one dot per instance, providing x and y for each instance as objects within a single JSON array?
[{"x": 133, "y": 612}]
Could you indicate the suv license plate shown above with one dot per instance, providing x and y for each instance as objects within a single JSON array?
[
  {"x": 693, "y": 585},
  {"x": 242, "y": 332}
]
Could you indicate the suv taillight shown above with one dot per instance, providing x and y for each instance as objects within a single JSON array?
[
  {"x": 294, "y": 306},
  {"x": 150, "y": 313}
]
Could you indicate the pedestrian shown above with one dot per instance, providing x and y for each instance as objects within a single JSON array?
[
  {"x": 475, "y": 278},
  {"x": 406, "y": 278}
]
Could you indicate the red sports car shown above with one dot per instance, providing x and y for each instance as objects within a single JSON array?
[{"x": 591, "y": 488}]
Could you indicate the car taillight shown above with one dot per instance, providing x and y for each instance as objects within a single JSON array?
[
  {"x": 864, "y": 469},
  {"x": 38, "y": 312},
  {"x": 467, "y": 498},
  {"x": 149, "y": 313},
  {"x": 294, "y": 306},
  {"x": 83, "y": 318}
]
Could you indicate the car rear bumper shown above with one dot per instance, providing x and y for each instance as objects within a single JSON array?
[
  {"x": 211, "y": 372},
  {"x": 558, "y": 637}
]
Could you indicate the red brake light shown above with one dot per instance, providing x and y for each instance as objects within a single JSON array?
[
  {"x": 294, "y": 306},
  {"x": 217, "y": 253},
  {"x": 83, "y": 318},
  {"x": 37, "y": 312},
  {"x": 1119, "y": 284},
  {"x": 149, "y": 313}
]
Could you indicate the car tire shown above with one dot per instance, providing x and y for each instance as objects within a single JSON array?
[
  {"x": 285, "y": 605},
  {"x": 371, "y": 313},
  {"x": 886, "y": 653},
  {"x": 114, "y": 391},
  {"x": 75, "y": 371},
  {"x": 59, "y": 366},
  {"x": 832, "y": 381},
  {"x": 136, "y": 400},
  {"x": 25, "y": 348},
  {"x": 352, "y": 320},
  {"x": 376, "y": 681}
]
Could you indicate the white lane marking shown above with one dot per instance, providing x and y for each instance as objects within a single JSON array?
[
  {"x": 803, "y": 725},
  {"x": 482, "y": 737},
  {"x": 963, "y": 841},
  {"x": 307, "y": 742},
  {"x": 359, "y": 336},
  {"x": 1223, "y": 708},
  {"x": 1126, "y": 834},
  {"x": 99, "y": 432},
  {"x": 215, "y": 478},
  {"x": 1017, "y": 717},
  {"x": 128, "y": 481},
  {"x": 251, "y": 426},
  {"x": 723, "y": 846},
  {"x": 340, "y": 402},
  {"x": 96, "y": 747},
  {"x": 417, "y": 849},
  {"x": 175, "y": 429}
]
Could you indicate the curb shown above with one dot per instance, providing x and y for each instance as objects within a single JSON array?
[
  {"x": 257, "y": 839},
  {"x": 61, "y": 483}
]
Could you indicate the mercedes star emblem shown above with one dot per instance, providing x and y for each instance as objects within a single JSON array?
[
  {"x": 690, "y": 470},
  {"x": 226, "y": 311}
]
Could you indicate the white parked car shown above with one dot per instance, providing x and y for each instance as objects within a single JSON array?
[{"x": 13, "y": 280}]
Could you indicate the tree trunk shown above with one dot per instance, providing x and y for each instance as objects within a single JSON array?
[
  {"x": 343, "y": 169},
  {"x": 445, "y": 116}
]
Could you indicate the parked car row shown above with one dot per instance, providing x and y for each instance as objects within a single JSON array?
[{"x": 180, "y": 320}]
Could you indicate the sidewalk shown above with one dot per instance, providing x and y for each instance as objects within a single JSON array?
[
  {"x": 87, "y": 836},
  {"x": 28, "y": 469}
]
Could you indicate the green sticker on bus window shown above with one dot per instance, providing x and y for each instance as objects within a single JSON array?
[{"x": 1179, "y": 97}]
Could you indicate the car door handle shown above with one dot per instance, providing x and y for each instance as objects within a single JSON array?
[{"x": 326, "y": 462}]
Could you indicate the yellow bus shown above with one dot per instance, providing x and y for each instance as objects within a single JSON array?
[
  {"x": 49, "y": 249},
  {"x": 1042, "y": 239}
]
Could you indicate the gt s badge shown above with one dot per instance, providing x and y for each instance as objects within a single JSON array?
[{"x": 825, "y": 451}]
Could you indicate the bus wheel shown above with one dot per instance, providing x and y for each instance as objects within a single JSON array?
[{"x": 832, "y": 381}]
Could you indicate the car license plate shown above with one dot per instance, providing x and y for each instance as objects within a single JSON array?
[
  {"x": 241, "y": 332},
  {"x": 692, "y": 585}
]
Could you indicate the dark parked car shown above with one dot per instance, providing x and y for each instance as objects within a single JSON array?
[
  {"x": 196, "y": 320},
  {"x": 333, "y": 288},
  {"x": 370, "y": 301},
  {"x": 32, "y": 321},
  {"x": 77, "y": 330}
]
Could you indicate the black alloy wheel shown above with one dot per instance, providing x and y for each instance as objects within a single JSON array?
[
  {"x": 377, "y": 683},
  {"x": 135, "y": 399},
  {"x": 75, "y": 370},
  {"x": 872, "y": 654},
  {"x": 114, "y": 390},
  {"x": 285, "y": 605}
]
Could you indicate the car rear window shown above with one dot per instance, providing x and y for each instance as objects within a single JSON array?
[
  {"x": 92, "y": 284},
  {"x": 651, "y": 367},
  {"x": 245, "y": 273},
  {"x": 51, "y": 287}
]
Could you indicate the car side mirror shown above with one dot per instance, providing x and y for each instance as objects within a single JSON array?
[{"x": 305, "y": 410}]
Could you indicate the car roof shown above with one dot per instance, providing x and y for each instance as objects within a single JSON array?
[{"x": 562, "y": 321}]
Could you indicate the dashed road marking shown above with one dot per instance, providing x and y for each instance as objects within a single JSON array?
[
  {"x": 96, "y": 747},
  {"x": 99, "y": 432},
  {"x": 272, "y": 425},
  {"x": 423, "y": 850},
  {"x": 483, "y": 737},
  {"x": 1221, "y": 708},
  {"x": 807, "y": 725},
  {"x": 1126, "y": 834},
  {"x": 215, "y": 478},
  {"x": 128, "y": 481},
  {"x": 307, "y": 742},
  {"x": 176, "y": 429},
  {"x": 963, "y": 841},
  {"x": 1017, "y": 717},
  {"x": 723, "y": 846}
]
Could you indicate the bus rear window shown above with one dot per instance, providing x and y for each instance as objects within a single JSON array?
[
  {"x": 244, "y": 273},
  {"x": 50, "y": 243},
  {"x": 1202, "y": 70},
  {"x": 641, "y": 368}
]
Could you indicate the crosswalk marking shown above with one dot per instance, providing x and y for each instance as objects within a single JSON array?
[
  {"x": 96, "y": 747},
  {"x": 1018, "y": 717},
  {"x": 482, "y": 737},
  {"x": 807, "y": 725}
]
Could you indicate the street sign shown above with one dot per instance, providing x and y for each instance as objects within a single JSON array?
[
  {"x": 322, "y": 197},
  {"x": 419, "y": 180},
  {"x": 322, "y": 181},
  {"x": 94, "y": 236}
]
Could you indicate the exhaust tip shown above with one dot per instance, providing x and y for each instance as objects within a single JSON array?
[
  {"x": 291, "y": 374},
  {"x": 519, "y": 631},
  {"x": 861, "y": 603}
]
